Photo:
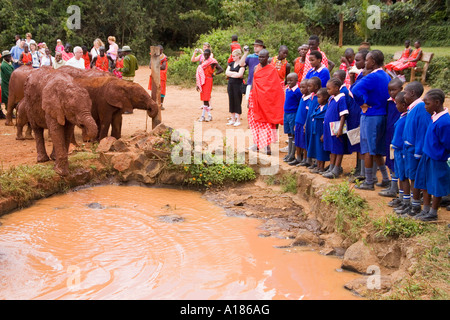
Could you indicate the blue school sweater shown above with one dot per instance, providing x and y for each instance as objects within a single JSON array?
[
  {"x": 322, "y": 73},
  {"x": 292, "y": 101},
  {"x": 417, "y": 122},
  {"x": 399, "y": 126},
  {"x": 354, "y": 111},
  {"x": 373, "y": 91},
  {"x": 302, "y": 111},
  {"x": 437, "y": 138}
]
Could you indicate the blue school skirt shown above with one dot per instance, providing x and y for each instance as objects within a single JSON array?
[
  {"x": 433, "y": 176},
  {"x": 300, "y": 137},
  {"x": 315, "y": 146},
  {"x": 289, "y": 123},
  {"x": 373, "y": 131},
  {"x": 411, "y": 162},
  {"x": 399, "y": 164}
]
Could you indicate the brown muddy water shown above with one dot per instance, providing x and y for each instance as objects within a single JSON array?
[{"x": 116, "y": 242}]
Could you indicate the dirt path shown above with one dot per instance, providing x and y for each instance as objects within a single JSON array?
[{"x": 181, "y": 111}]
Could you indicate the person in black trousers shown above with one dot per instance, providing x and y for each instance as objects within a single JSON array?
[{"x": 235, "y": 74}]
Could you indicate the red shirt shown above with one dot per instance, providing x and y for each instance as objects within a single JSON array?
[{"x": 102, "y": 63}]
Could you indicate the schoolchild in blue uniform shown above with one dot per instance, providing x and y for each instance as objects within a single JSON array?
[
  {"x": 353, "y": 119},
  {"x": 291, "y": 103},
  {"x": 314, "y": 84},
  {"x": 399, "y": 156},
  {"x": 417, "y": 122},
  {"x": 395, "y": 87},
  {"x": 300, "y": 119},
  {"x": 371, "y": 94},
  {"x": 336, "y": 144},
  {"x": 315, "y": 147},
  {"x": 317, "y": 68},
  {"x": 433, "y": 172}
]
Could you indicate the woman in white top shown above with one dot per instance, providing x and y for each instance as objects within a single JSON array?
[
  {"x": 113, "y": 48},
  {"x": 35, "y": 55},
  {"x": 95, "y": 51}
]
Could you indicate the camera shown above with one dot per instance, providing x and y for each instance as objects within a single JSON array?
[{"x": 246, "y": 48}]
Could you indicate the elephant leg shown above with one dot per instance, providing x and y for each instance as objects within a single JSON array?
[
  {"x": 9, "y": 113},
  {"x": 58, "y": 135},
  {"x": 105, "y": 123},
  {"x": 40, "y": 145},
  {"x": 69, "y": 135},
  {"x": 28, "y": 135},
  {"x": 116, "y": 124},
  {"x": 19, "y": 132}
]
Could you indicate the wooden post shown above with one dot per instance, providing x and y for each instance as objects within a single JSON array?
[
  {"x": 341, "y": 29},
  {"x": 156, "y": 82}
]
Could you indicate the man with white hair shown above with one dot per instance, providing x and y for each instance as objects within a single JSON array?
[{"x": 77, "y": 61}]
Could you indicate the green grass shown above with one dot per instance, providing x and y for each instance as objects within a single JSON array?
[{"x": 390, "y": 50}]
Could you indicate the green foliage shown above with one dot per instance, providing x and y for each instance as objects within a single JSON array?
[
  {"x": 439, "y": 73},
  {"x": 208, "y": 173},
  {"x": 394, "y": 226},
  {"x": 351, "y": 214},
  {"x": 182, "y": 70},
  {"x": 25, "y": 183},
  {"x": 288, "y": 183}
]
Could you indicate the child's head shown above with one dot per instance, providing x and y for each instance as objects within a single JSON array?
[
  {"x": 292, "y": 79},
  {"x": 434, "y": 101},
  {"x": 334, "y": 86},
  {"x": 207, "y": 53},
  {"x": 340, "y": 74},
  {"x": 417, "y": 44},
  {"x": 360, "y": 58},
  {"x": 395, "y": 86},
  {"x": 407, "y": 43},
  {"x": 85, "y": 49},
  {"x": 322, "y": 96},
  {"x": 400, "y": 102},
  {"x": 304, "y": 87},
  {"x": 413, "y": 91},
  {"x": 349, "y": 54},
  {"x": 314, "y": 84},
  {"x": 283, "y": 52},
  {"x": 303, "y": 50},
  {"x": 234, "y": 38},
  {"x": 315, "y": 58}
]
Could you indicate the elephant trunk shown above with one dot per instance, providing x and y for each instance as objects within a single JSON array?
[
  {"x": 152, "y": 109},
  {"x": 90, "y": 129}
]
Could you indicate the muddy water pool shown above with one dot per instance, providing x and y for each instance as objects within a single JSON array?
[{"x": 116, "y": 242}]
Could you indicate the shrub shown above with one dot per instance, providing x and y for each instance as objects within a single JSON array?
[
  {"x": 439, "y": 73},
  {"x": 182, "y": 70}
]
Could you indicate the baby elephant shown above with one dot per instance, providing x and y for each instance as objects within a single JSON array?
[{"x": 54, "y": 102}]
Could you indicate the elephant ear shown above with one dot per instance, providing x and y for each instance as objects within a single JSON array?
[
  {"x": 52, "y": 104},
  {"x": 117, "y": 95}
]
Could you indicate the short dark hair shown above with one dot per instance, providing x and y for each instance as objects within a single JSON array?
[
  {"x": 436, "y": 94},
  {"x": 323, "y": 92},
  {"x": 364, "y": 53},
  {"x": 315, "y": 38},
  {"x": 396, "y": 82},
  {"x": 400, "y": 97},
  {"x": 336, "y": 82},
  {"x": 234, "y": 37},
  {"x": 415, "y": 86},
  {"x": 341, "y": 74},
  {"x": 316, "y": 54},
  {"x": 377, "y": 56},
  {"x": 317, "y": 81}
]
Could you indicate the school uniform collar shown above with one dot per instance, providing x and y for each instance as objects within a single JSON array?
[
  {"x": 404, "y": 114},
  {"x": 320, "y": 68},
  {"x": 338, "y": 97},
  {"x": 294, "y": 88},
  {"x": 376, "y": 70},
  {"x": 415, "y": 103},
  {"x": 307, "y": 97},
  {"x": 342, "y": 87},
  {"x": 436, "y": 116},
  {"x": 390, "y": 99}
]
